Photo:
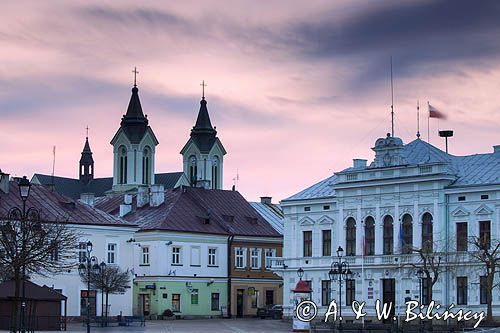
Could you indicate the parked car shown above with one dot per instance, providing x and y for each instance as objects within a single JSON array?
[{"x": 270, "y": 311}]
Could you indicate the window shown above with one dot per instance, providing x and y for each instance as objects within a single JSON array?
[
  {"x": 239, "y": 258},
  {"x": 54, "y": 252},
  {"x": 462, "y": 236},
  {"x": 407, "y": 234},
  {"x": 326, "y": 207},
  {"x": 269, "y": 297},
  {"x": 82, "y": 252},
  {"x": 145, "y": 166},
  {"x": 427, "y": 241},
  {"x": 215, "y": 302},
  {"x": 350, "y": 293},
  {"x": 326, "y": 292},
  {"x": 176, "y": 255},
  {"x": 122, "y": 160},
  {"x": 111, "y": 253},
  {"x": 462, "y": 290},
  {"x": 485, "y": 234},
  {"x": 483, "y": 290},
  {"x": 369, "y": 246},
  {"x": 255, "y": 258},
  {"x": 270, "y": 254},
  {"x": 426, "y": 289},
  {"x": 195, "y": 256},
  {"x": 388, "y": 234},
  {"x": 215, "y": 173},
  {"x": 193, "y": 170},
  {"x": 176, "y": 302},
  {"x": 212, "y": 257},
  {"x": 461, "y": 198},
  {"x": 91, "y": 298},
  {"x": 194, "y": 297},
  {"x": 485, "y": 196},
  {"x": 307, "y": 209},
  {"x": 327, "y": 242},
  {"x": 255, "y": 299},
  {"x": 350, "y": 237},
  {"x": 145, "y": 255},
  {"x": 307, "y": 243}
]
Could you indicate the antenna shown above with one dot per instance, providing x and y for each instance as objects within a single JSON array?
[
  {"x": 392, "y": 103},
  {"x": 53, "y": 163}
]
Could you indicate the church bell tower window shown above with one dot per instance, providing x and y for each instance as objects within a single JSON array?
[
  {"x": 215, "y": 173},
  {"x": 123, "y": 166},
  {"x": 193, "y": 170},
  {"x": 145, "y": 167}
]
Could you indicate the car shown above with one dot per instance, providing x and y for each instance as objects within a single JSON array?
[{"x": 270, "y": 311}]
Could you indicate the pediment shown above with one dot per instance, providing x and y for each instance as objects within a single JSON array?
[
  {"x": 483, "y": 210},
  {"x": 325, "y": 219},
  {"x": 306, "y": 221},
  {"x": 460, "y": 212}
]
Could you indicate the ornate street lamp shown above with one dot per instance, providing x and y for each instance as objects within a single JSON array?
[
  {"x": 300, "y": 273},
  {"x": 88, "y": 268},
  {"x": 340, "y": 271}
]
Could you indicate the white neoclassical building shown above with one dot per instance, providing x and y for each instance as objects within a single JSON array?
[{"x": 410, "y": 195}]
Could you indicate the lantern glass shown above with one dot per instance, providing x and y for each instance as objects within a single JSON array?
[
  {"x": 81, "y": 269},
  {"x": 24, "y": 188},
  {"x": 300, "y": 273},
  {"x": 89, "y": 246},
  {"x": 340, "y": 251}
]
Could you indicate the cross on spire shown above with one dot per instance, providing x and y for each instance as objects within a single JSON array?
[
  {"x": 87, "y": 128},
  {"x": 203, "y": 85},
  {"x": 135, "y": 76}
]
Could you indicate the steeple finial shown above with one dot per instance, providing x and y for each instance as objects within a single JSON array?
[
  {"x": 87, "y": 129},
  {"x": 203, "y": 85},
  {"x": 135, "y": 76}
]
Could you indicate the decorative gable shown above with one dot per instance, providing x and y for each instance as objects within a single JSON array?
[
  {"x": 306, "y": 221},
  {"x": 460, "y": 212},
  {"x": 325, "y": 219},
  {"x": 483, "y": 210}
]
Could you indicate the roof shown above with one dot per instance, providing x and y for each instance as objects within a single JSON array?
[
  {"x": 271, "y": 213},
  {"x": 73, "y": 187},
  {"x": 196, "y": 210},
  {"x": 32, "y": 291},
  {"x": 134, "y": 123},
  {"x": 469, "y": 170},
  {"x": 203, "y": 133},
  {"x": 54, "y": 207}
]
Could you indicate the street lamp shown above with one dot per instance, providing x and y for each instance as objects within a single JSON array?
[
  {"x": 300, "y": 273},
  {"x": 340, "y": 271},
  {"x": 88, "y": 268},
  {"x": 420, "y": 275}
]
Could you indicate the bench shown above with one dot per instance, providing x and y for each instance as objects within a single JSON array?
[{"x": 127, "y": 320}]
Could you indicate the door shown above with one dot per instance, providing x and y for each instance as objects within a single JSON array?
[
  {"x": 240, "y": 298},
  {"x": 144, "y": 304},
  {"x": 269, "y": 297},
  {"x": 389, "y": 296}
]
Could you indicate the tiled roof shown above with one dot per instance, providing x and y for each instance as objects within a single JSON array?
[
  {"x": 470, "y": 170},
  {"x": 188, "y": 209},
  {"x": 55, "y": 207},
  {"x": 272, "y": 213},
  {"x": 73, "y": 188},
  {"x": 31, "y": 290}
]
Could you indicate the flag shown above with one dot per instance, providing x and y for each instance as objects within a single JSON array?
[{"x": 435, "y": 113}]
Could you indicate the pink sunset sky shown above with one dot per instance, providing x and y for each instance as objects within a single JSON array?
[{"x": 297, "y": 89}]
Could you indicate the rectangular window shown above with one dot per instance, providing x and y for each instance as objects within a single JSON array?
[
  {"x": 307, "y": 209},
  {"x": 212, "y": 257},
  {"x": 54, "y": 252},
  {"x": 462, "y": 236},
  {"x": 145, "y": 255},
  {"x": 255, "y": 258},
  {"x": 85, "y": 297},
  {"x": 269, "y": 297},
  {"x": 327, "y": 242},
  {"x": 326, "y": 207},
  {"x": 326, "y": 292},
  {"x": 82, "y": 252},
  {"x": 461, "y": 198},
  {"x": 176, "y": 255},
  {"x": 485, "y": 196},
  {"x": 483, "y": 290},
  {"x": 195, "y": 256},
  {"x": 111, "y": 253},
  {"x": 239, "y": 258},
  {"x": 307, "y": 243},
  {"x": 176, "y": 302},
  {"x": 194, "y": 297},
  {"x": 255, "y": 299},
  {"x": 215, "y": 302},
  {"x": 485, "y": 233},
  {"x": 270, "y": 254},
  {"x": 462, "y": 290},
  {"x": 350, "y": 293}
]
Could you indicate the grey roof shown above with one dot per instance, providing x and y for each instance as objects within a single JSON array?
[
  {"x": 469, "y": 170},
  {"x": 271, "y": 213},
  {"x": 73, "y": 187}
]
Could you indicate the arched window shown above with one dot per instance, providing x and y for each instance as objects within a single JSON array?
[
  {"x": 146, "y": 168},
  {"x": 388, "y": 234},
  {"x": 350, "y": 237},
  {"x": 193, "y": 170},
  {"x": 407, "y": 234},
  {"x": 215, "y": 173},
  {"x": 427, "y": 242},
  {"x": 369, "y": 236},
  {"x": 122, "y": 165}
]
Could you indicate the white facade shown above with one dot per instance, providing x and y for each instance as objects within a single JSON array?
[{"x": 414, "y": 180}]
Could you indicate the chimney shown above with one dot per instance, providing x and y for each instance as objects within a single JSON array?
[
  {"x": 126, "y": 207},
  {"x": 496, "y": 149},
  {"x": 87, "y": 198},
  {"x": 142, "y": 196},
  {"x": 4, "y": 182},
  {"x": 203, "y": 184},
  {"x": 265, "y": 200},
  {"x": 157, "y": 195},
  {"x": 358, "y": 163}
]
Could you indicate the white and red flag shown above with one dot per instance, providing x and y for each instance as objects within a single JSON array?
[{"x": 435, "y": 113}]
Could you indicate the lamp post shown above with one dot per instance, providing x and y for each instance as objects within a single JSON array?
[
  {"x": 86, "y": 269},
  {"x": 340, "y": 271},
  {"x": 420, "y": 275}
]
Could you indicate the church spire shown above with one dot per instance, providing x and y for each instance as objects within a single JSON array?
[
  {"x": 86, "y": 170},
  {"x": 203, "y": 133},
  {"x": 134, "y": 123}
]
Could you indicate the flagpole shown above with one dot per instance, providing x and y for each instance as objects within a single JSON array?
[
  {"x": 392, "y": 103},
  {"x": 428, "y": 124},
  {"x": 418, "y": 120}
]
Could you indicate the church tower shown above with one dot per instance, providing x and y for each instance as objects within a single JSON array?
[
  {"x": 203, "y": 154},
  {"x": 134, "y": 148},
  {"x": 86, "y": 169}
]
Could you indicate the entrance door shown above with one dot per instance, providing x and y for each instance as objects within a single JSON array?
[
  {"x": 144, "y": 304},
  {"x": 269, "y": 297},
  {"x": 240, "y": 298},
  {"x": 389, "y": 296}
]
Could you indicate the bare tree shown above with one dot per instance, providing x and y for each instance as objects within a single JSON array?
[
  {"x": 31, "y": 246},
  {"x": 110, "y": 280},
  {"x": 487, "y": 252}
]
